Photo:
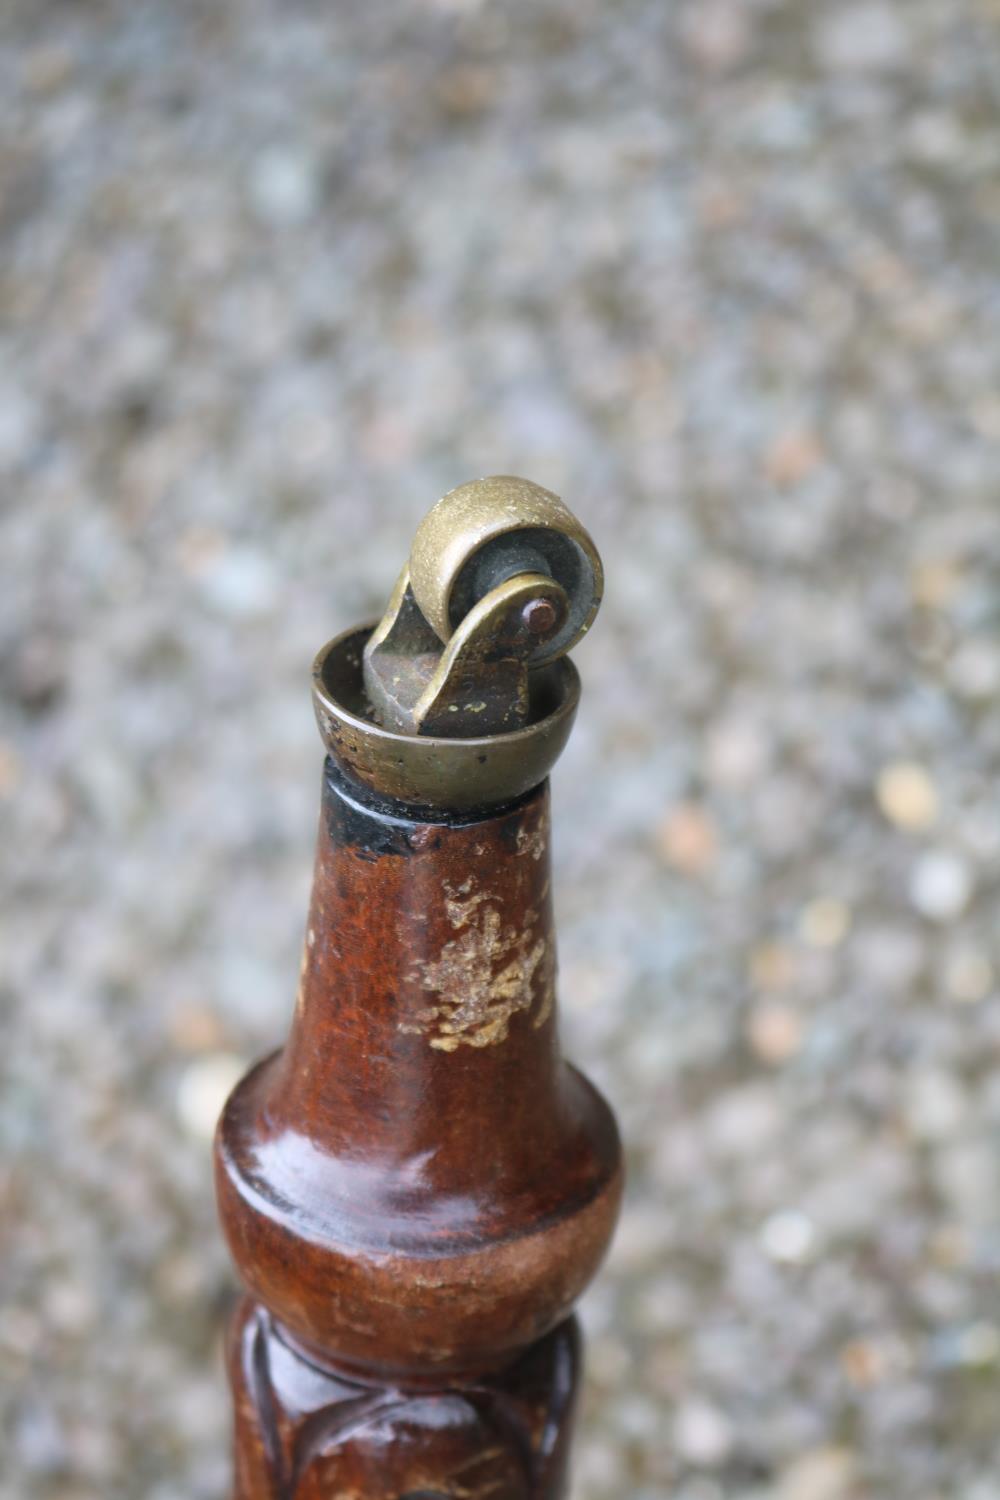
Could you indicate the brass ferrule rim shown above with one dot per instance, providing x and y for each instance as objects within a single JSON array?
[{"x": 428, "y": 770}]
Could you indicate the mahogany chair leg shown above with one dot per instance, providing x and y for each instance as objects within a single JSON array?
[
  {"x": 312, "y": 1434},
  {"x": 418, "y": 1187}
]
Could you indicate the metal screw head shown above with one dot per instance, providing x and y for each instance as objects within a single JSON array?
[
  {"x": 482, "y": 533},
  {"x": 540, "y": 616}
]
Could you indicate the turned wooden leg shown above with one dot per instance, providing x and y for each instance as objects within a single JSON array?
[
  {"x": 417, "y": 1187},
  {"x": 306, "y": 1432}
]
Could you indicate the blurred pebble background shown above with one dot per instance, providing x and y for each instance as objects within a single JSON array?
[{"x": 725, "y": 274}]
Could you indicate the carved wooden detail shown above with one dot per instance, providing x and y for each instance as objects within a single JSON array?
[{"x": 307, "y": 1434}]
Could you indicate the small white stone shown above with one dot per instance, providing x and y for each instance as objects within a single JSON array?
[
  {"x": 821, "y": 1474},
  {"x": 643, "y": 1231},
  {"x": 20, "y": 425},
  {"x": 20, "y": 1332},
  {"x": 860, "y": 36},
  {"x": 968, "y": 976},
  {"x": 940, "y": 885},
  {"x": 936, "y": 138},
  {"x": 934, "y": 1103},
  {"x": 69, "y": 1307},
  {"x": 241, "y": 584},
  {"x": 789, "y": 1236},
  {"x": 907, "y": 795},
  {"x": 979, "y": 1345},
  {"x": 823, "y": 923},
  {"x": 204, "y": 1087},
  {"x": 611, "y": 1362},
  {"x": 744, "y": 1121},
  {"x": 889, "y": 957},
  {"x": 967, "y": 1177},
  {"x": 702, "y": 1433},
  {"x": 974, "y": 669},
  {"x": 283, "y": 187},
  {"x": 601, "y": 1466},
  {"x": 737, "y": 752},
  {"x": 637, "y": 1418},
  {"x": 982, "y": 1488},
  {"x": 715, "y": 32}
]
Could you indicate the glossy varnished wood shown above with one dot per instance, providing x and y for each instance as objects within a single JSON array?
[
  {"x": 417, "y": 1187},
  {"x": 309, "y": 1433}
]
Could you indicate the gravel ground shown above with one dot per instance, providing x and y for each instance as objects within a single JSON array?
[{"x": 724, "y": 274}]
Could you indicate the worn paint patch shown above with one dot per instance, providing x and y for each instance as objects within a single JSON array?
[
  {"x": 531, "y": 841},
  {"x": 461, "y": 901},
  {"x": 483, "y": 976}
]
